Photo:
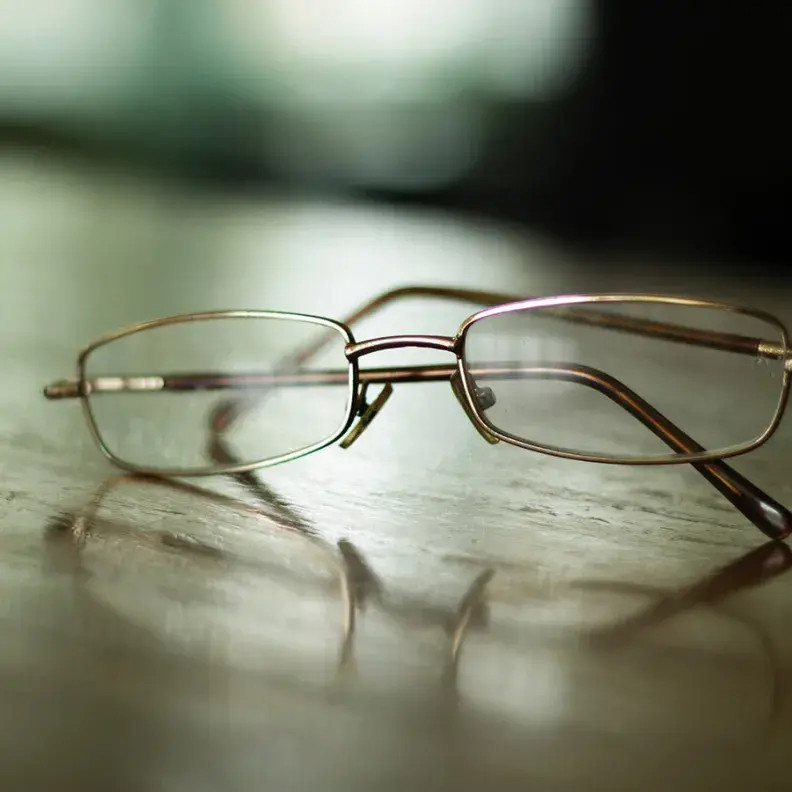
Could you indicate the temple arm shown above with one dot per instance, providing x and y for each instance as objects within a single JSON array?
[
  {"x": 764, "y": 512},
  {"x": 769, "y": 516},
  {"x": 730, "y": 342}
]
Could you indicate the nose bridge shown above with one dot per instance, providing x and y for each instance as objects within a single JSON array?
[{"x": 357, "y": 350}]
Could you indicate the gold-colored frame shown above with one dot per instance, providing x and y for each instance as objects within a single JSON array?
[
  {"x": 768, "y": 515},
  {"x": 715, "y": 340},
  {"x": 84, "y": 392}
]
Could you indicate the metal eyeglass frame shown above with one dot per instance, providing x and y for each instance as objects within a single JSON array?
[{"x": 764, "y": 512}]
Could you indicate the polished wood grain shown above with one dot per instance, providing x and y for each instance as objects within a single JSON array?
[{"x": 420, "y": 610}]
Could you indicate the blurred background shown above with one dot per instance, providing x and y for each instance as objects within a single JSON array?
[{"x": 611, "y": 127}]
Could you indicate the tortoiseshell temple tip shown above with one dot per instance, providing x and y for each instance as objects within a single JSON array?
[
  {"x": 766, "y": 513},
  {"x": 776, "y": 520},
  {"x": 63, "y": 389}
]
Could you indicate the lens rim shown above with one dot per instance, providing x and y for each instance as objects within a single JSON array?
[
  {"x": 484, "y": 424},
  {"x": 217, "y": 469}
]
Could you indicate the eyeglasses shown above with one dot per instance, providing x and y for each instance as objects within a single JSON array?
[{"x": 616, "y": 379}]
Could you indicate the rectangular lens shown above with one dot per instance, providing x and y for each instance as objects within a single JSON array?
[
  {"x": 638, "y": 380},
  {"x": 156, "y": 395}
]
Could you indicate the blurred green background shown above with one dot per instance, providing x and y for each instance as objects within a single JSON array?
[
  {"x": 355, "y": 92},
  {"x": 605, "y": 124}
]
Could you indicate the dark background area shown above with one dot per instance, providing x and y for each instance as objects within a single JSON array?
[
  {"x": 666, "y": 131},
  {"x": 676, "y": 137}
]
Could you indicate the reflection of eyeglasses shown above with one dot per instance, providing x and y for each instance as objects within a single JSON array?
[
  {"x": 352, "y": 575},
  {"x": 581, "y": 377},
  {"x": 484, "y": 666}
]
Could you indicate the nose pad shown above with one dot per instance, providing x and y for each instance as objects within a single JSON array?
[
  {"x": 485, "y": 397},
  {"x": 367, "y": 412},
  {"x": 484, "y": 402}
]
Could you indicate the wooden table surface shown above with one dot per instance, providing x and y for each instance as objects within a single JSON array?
[{"x": 620, "y": 628}]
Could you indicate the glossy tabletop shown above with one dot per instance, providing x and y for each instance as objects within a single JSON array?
[{"x": 422, "y": 610}]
